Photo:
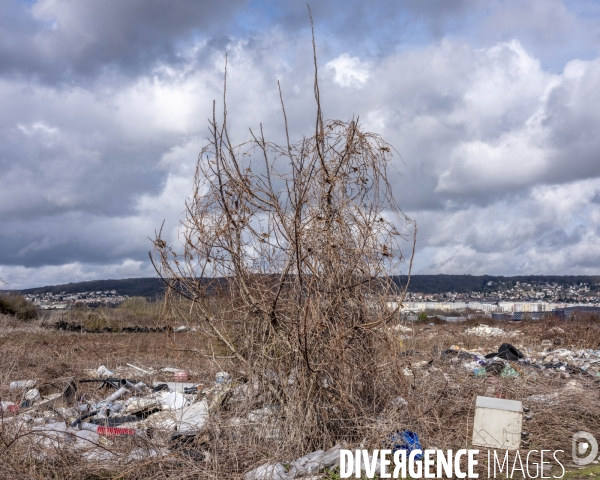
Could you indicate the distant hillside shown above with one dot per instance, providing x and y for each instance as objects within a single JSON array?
[
  {"x": 471, "y": 283},
  {"x": 134, "y": 287},
  {"x": 153, "y": 287}
]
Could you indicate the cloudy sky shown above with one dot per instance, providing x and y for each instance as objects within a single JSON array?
[{"x": 494, "y": 106}]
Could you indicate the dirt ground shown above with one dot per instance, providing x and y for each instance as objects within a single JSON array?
[{"x": 437, "y": 389}]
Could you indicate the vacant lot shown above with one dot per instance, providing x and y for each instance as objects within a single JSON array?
[{"x": 434, "y": 392}]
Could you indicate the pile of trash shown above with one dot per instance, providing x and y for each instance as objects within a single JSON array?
[
  {"x": 58, "y": 415},
  {"x": 162, "y": 417},
  {"x": 487, "y": 331},
  {"x": 509, "y": 361}
]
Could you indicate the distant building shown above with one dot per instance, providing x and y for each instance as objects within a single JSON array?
[
  {"x": 530, "y": 315},
  {"x": 567, "y": 312}
]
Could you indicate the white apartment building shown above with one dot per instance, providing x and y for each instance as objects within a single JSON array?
[{"x": 506, "y": 307}]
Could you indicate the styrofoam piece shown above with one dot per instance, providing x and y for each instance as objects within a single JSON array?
[
  {"x": 164, "y": 421},
  {"x": 137, "y": 404},
  {"x": 104, "y": 372},
  {"x": 498, "y": 423},
  {"x": 193, "y": 417},
  {"x": 173, "y": 401},
  {"x": 52, "y": 435}
]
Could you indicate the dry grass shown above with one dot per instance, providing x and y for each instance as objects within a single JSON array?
[{"x": 440, "y": 396}]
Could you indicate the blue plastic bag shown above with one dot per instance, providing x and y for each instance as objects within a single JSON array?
[{"x": 406, "y": 440}]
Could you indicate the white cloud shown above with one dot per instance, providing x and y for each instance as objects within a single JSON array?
[
  {"x": 553, "y": 229},
  {"x": 18, "y": 277},
  {"x": 349, "y": 71}
]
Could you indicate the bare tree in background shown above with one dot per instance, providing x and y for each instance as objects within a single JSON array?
[{"x": 300, "y": 240}]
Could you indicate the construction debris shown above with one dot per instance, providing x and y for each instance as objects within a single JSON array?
[{"x": 486, "y": 331}]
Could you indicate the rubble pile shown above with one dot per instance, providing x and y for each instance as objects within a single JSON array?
[{"x": 487, "y": 331}]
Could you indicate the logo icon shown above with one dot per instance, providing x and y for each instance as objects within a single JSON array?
[{"x": 585, "y": 448}]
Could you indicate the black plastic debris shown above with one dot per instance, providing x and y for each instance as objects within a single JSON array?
[
  {"x": 114, "y": 421},
  {"x": 507, "y": 352}
]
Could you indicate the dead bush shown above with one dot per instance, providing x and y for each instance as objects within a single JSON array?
[
  {"x": 17, "y": 306},
  {"x": 286, "y": 259}
]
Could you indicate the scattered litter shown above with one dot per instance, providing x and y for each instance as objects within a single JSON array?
[
  {"x": 181, "y": 376},
  {"x": 222, "y": 377},
  {"x": 402, "y": 328},
  {"x": 508, "y": 372},
  {"x": 58, "y": 417},
  {"x": 312, "y": 463},
  {"x": 9, "y": 407},
  {"x": 485, "y": 331},
  {"x": 173, "y": 401},
  {"x": 22, "y": 384},
  {"x": 168, "y": 404},
  {"x": 193, "y": 417},
  {"x": 268, "y": 472},
  {"x": 104, "y": 372},
  {"x": 399, "y": 402}
]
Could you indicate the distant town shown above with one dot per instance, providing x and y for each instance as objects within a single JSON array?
[
  {"x": 63, "y": 300},
  {"x": 498, "y": 297},
  {"x": 521, "y": 297}
]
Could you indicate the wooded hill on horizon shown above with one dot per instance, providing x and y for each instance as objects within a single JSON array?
[{"x": 429, "y": 284}]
